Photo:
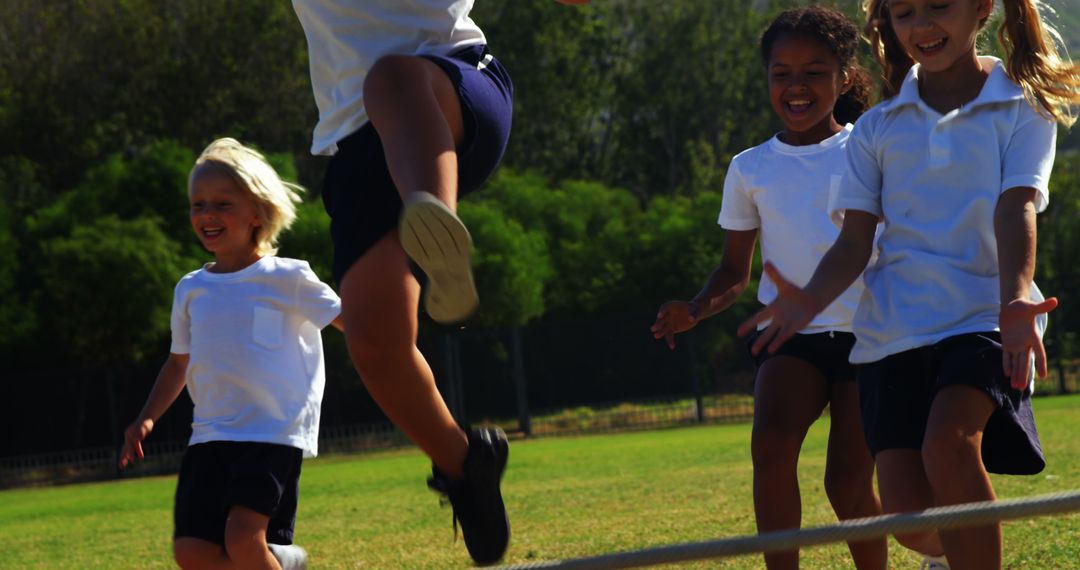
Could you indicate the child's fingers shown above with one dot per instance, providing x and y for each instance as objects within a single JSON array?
[
  {"x": 1047, "y": 305},
  {"x": 670, "y": 337},
  {"x": 656, "y": 328},
  {"x": 1006, "y": 363},
  {"x": 1041, "y": 367},
  {"x": 1021, "y": 364},
  {"x": 782, "y": 336},
  {"x": 750, "y": 324},
  {"x": 763, "y": 339}
]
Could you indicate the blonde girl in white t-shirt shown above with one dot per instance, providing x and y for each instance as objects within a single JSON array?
[
  {"x": 955, "y": 163},
  {"x": 780, "y": 189},
  {"x": 246, "y": 344}
]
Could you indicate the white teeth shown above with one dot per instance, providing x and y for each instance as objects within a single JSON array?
[
  {"x": 211, "y": 232},
  {"x": 931, "y": 45}
]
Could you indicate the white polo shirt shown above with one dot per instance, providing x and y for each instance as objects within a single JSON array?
[
  {"x": 345, "y": 38},
  {"x": 935, "y": 181},
  {"x": 784, "y": 190}
]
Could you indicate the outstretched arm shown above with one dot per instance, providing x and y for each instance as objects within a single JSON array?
[
  {"x": 167, "y": 387},
  {"x": 794, "y": 308},
  {"x": 1014, "y": 228},
  {"x": 725, "y": 285}
]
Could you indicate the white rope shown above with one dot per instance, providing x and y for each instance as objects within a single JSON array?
[{"x": 956, "y": 516}]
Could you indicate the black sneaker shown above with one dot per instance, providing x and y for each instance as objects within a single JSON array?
[{"x": 476, "y": 499}]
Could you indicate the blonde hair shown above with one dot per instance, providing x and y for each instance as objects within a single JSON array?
[
  {"x": 275, "y": 199},
  {"x": 1032, "y": 56}
]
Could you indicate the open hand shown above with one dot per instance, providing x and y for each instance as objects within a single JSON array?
[
  {"x": 1019, "y": 339},
  {"x": 674, "y": 317},
  {"x": 792, "y": 310},
  {"x": 133, "y": 438}
]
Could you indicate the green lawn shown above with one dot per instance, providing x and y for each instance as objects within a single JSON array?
[{"x": 567, "y": 497}]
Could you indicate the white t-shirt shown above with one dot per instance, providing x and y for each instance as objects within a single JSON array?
[
  {"x": 346, "y": 37},
  {"x": 935, "y": 181},
  {"x": 256, "y": 369},
  {"x": 784, "y": 190}
]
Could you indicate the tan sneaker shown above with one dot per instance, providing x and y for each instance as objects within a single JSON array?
[{"x": 434, "y": 237}]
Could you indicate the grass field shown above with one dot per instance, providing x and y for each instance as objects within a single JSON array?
[{"x": 567, "y": 497}]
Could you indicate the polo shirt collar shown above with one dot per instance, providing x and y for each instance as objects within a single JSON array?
[{"x": 997, "y": 89}]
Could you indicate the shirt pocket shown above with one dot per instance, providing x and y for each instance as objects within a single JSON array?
[{"x": 266, "y": 327}]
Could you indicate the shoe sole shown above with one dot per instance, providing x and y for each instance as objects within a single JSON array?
[{"x": 434, "y": 237}]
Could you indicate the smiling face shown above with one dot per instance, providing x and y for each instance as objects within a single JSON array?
[
  {"x": 805, "y": 79},
  {"x": 223, "y": 216},
  {"x": 938, "y": 33}
]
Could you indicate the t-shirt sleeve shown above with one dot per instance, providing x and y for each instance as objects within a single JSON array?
[
  {"x": 860, "y": 188},
  {"x": 180, "y": 321},
  {"x": 738, "y": 211},
  {"x": 315, "y": 299},
  {"x": 1029, "y": 156}
]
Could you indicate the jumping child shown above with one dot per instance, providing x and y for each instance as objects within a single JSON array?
[
  {"x": 416, "y": 112},
  {"x": 781, "y": 188},
  {"x": 246, "y": 343},
  {"x": 956, "y": 163}
]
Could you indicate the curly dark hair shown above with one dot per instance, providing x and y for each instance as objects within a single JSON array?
[{"x": 842, "y": 37}]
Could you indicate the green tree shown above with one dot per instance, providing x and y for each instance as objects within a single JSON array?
[
  {"x": 107, "y": 289},
  {"x": 82, "y": 80},
  {"x": 149, "y": 182},
  {"x": 512, "y": 266},
  {"x": 17, "y": 318},
  {"x": 1059, "y": 248},
  {"x": 639, "y": 95},
  {"x": 309, "y": 239}
]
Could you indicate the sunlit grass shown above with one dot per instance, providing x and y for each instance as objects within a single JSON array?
[{"x": 568, "y": 497}]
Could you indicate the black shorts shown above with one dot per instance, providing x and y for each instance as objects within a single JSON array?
[
  {"x": 896, "y": 394},
  {"x": 826, "y": 351},
  {"x": 359, "y": 195},
  {"x": 219, "y": 475}
]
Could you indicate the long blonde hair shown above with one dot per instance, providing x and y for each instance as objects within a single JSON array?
[
  {"x": 275, "y": 199},
  {"x": 1032, "y": 56}
]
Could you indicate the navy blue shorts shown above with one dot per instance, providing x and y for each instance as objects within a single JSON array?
[
  {"x": 219, "y": 475},
  {"x": 896, "y": 393},
  {"x": 359, "y": 195},
  {"x": 826, "y": 351}
]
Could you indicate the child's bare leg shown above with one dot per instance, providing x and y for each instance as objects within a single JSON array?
[
  {"x": 789, "y": 395},
  {"x": 904, "y": 487},
  {"x": 196, "y": 553},
  {"x": 849, "y": 474},
  {"x": 245, "y": 539},
  {"x": 416, "y": 111},
  {"x": 379, "y": 299},
  {"x": 953, "y": 458}
]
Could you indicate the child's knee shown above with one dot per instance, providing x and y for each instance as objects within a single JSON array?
[
  {"x": 947, "y": 454},
  {"x": 917, "y": 541},
  {"x": 847, "y": 487},
  {"x": 772, "y": 446}
]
